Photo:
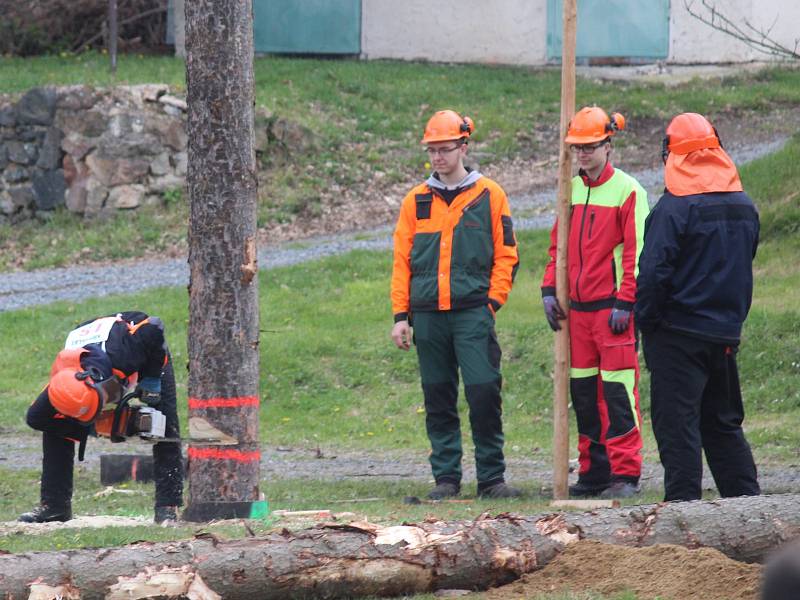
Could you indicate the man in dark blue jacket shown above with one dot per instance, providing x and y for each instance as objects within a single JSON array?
[{"x": 694, "y": 290}]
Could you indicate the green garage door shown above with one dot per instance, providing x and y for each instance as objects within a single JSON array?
[
  {"x": 307, "y": 26},
  {"x": 628, "y": 29}
]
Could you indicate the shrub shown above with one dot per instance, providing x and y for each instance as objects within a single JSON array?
[{"x": 52, "y": 26}]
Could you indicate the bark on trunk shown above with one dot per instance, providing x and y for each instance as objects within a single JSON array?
[
  {"x": 362, "y": 559},
  {"x": 223, "y": 290}
]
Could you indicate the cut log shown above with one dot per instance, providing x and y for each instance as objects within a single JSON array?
[{"x": 364, "y": 559}]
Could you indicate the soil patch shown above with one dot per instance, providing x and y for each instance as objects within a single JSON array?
[{"x": 662, "y": 571}]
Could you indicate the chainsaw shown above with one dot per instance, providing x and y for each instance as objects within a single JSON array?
[{"x": 125, "y": 421}]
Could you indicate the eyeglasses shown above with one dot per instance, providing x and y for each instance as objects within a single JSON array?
[
  {"x": 586, "y": 148},
  {"x": 441, "y": 151}
]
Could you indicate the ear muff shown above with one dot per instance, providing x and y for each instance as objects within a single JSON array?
[
  {"x": 616, "y": 123},
  {"x": 467, "y": 126}
]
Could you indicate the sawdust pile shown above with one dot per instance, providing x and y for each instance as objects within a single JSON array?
[{"x": 664, "y": 571}]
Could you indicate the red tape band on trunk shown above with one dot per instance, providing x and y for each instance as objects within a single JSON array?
[
  {"x": 223, "y": 402},
  {"x": 220, "y": 454}
]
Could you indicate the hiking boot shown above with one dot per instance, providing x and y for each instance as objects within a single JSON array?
[
  {"x": 165, "y": 513},
  {"x": 586, "y": 490},
  {"x": 500, "y": 490},
  {"x": 45, "y": 514},
  {"x": 620, "y": 489},
  {"x": 445, "y": 489}
]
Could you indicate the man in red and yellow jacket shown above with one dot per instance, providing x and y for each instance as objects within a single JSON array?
[
  {"x": 455, "y": 257},
  {"x": 609, "y": 208}
]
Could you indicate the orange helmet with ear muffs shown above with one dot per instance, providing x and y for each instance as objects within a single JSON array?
[
  {"x": 591, "y": 124},
  {"x": 695, "y": 161},
  {"x": 447, "y": 125},
  {"x": 74, "y": 396}
]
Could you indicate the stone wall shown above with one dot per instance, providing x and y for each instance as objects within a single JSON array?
[{"x": 94, "y": 151}]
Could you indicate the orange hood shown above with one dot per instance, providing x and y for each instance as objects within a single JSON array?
[
  {"x": 697, "y": 163},
  {"x": 701, "y": 171}
]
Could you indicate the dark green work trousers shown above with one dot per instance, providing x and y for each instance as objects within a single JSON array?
[{"x": 447, "y": 342}]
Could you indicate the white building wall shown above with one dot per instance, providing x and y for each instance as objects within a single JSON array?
[
  {"x": 500, "y": 31},
  {"x": 515, "y": 31},
  {"x": 694, "y": 42}
]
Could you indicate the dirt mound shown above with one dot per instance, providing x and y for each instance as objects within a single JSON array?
[{"x": 663, "y": 571}]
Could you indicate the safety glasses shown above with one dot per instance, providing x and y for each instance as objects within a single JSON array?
[
  {"x": 587, "y": 148},
  {"x": 441, "y": 151}
]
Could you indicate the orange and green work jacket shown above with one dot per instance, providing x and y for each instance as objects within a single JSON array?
[
  {"x": 606, "y": 234},
  {"x": 453, "y": 255}
]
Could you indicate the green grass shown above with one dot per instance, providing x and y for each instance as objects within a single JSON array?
[
  {"x": 364, "y": 117},
  {"x": 331, "y": 378},
  {"x": 329, "y": 374}
]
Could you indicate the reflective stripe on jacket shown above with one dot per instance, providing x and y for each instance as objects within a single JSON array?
[
  {"x": 605, "y": 240},
  {"x": 454, "y": 256}
]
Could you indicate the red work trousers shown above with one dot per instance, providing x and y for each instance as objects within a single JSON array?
[{"x": 604, "y": 385}]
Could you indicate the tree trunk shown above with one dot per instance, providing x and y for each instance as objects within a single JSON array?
[
  {"x": 223, "y": 290},
  {"x": 113, "y": 34},
  {"x": 363, "y": 559}
]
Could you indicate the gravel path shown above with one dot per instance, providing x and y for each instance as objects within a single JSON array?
[
  {"x": 532, "y": 473},
  {"x": 24, "y": 289}
]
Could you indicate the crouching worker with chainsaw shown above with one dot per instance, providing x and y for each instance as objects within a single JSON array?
[{"x": 102, "y": 359}]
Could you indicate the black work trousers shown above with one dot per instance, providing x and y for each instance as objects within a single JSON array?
[
  {"x": 60, "y": 434},
  {"x": 696, "y": 403}
]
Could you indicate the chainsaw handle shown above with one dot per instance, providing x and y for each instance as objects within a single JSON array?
[{"x": 121, "y": 405}]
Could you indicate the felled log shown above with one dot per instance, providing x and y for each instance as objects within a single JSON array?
[{"x": 364, "y": 559}]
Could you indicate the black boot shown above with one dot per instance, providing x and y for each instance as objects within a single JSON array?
[
  {"x": 583, "y": 489},
  {"x": 499, "y": 490},
  {"x": 621, "y": 488},
  {"x": 45, "y": 514},
  {"x": 444, "y": 489},
  {"x": 165, "y": 513}
]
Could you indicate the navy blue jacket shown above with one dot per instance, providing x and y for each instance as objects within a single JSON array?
[
  {"x": 696, "y": 267},
  {"x": 142, "y": 352}
]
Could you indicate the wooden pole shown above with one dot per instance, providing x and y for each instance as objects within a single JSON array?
[{"x": 561, "y": 350}]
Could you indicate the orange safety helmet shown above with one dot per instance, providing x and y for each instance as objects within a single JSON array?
[
  {"x": 591, "y": 124},
  {"x": 74, "y": 397},
  {"x": 695, "y": 161},
  {"x": 447, "y": 125}
]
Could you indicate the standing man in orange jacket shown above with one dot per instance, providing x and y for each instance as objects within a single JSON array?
[
  {"x": 455, "y": 257},
  {"x": 609, "y": 208}
]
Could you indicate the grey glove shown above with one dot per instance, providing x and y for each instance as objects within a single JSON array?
[
  {"x": 618, "y": 320},
  {"x": 553, "y": 312},
  {"x": 149, "y": 391}
]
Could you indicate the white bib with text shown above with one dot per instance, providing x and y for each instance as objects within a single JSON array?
[{"x": 96, "y": 332}]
